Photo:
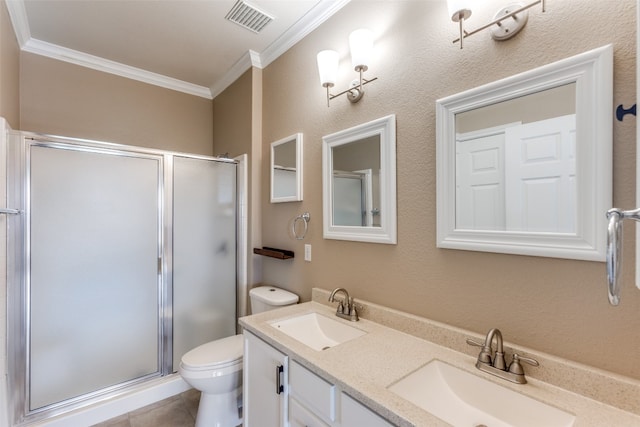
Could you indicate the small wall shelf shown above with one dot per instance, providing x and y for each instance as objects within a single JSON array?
[{"x": 274, "y": 253}]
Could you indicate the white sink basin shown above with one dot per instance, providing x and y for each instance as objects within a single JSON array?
[
  {"x": 317, "y": 331},
  {"x": 463, "y": 399}
]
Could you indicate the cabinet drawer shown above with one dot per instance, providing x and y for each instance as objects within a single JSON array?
[
  {"x": 314, "y": 392},
  {"x": 355, "y": 414},
  {"x": 299, "y": 416}
]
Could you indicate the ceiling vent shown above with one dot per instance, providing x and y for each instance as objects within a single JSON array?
[{"x": 248, "y": 16}]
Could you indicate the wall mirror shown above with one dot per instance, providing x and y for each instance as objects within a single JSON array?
[
  {"x": 359, "y": 182},
  {"x": 286, "y": 169},
  {"x": 524, "y": 163}
]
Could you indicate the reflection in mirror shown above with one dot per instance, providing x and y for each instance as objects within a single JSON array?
[
  {"x": 356, "y": 188},
  {"x": 286, "y": 169},
  {"x": 524, "y": 163},
  {"x": 359, "y": 190},
  {"x": 516, "y": 164}
]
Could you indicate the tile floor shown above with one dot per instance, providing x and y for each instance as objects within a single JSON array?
[{"x": 176, "y": 411}]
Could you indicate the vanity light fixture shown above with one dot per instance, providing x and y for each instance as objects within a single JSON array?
[
  {"x": 361, "y": 46},
  {"x": 508, "y": 21}
]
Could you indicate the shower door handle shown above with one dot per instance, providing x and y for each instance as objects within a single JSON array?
[
  {"x": 7, "y": 211},
  {"x": 279, "y": 386}
]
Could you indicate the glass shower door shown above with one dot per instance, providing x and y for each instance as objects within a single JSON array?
[
  {"x": 204, "y": 252},
  {"x": 94, "y": 236}
]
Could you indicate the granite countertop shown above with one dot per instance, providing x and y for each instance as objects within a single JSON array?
[{"x": 364, "y": 367}]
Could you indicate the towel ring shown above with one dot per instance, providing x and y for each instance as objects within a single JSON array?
[{"x": 305, "y": 218}]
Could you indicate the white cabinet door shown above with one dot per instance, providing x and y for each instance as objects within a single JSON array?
[
  {"x": 312, "y": 391},
  {"x": 265, "y": 384},
  {"x": 355, "y": 414},
  {"x": 299, "y": 416}
]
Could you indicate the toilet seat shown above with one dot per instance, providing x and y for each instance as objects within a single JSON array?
[{"x": 216, "y": 354}]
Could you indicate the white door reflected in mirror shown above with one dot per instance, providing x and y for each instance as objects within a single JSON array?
[
  {"x": 519, "y": 174},
  {"x": 524, "y": 164}
]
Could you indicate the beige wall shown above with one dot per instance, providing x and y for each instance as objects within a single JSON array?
[
  {"x": 232, "y": 117},
  {"x": 552, "y": 305},
  {"x": 65, "y": 99},
  {"x": 556, "y": 102},
  {"x": 9, "y": 70}
]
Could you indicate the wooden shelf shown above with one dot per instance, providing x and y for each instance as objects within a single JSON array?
[{"x": 274, "y": 253}]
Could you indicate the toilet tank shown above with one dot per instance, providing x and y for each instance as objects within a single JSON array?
[{"x": 265, "y": 298}]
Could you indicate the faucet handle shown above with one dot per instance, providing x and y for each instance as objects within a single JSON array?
[
  {"x": 516, "y": 368},
  {"x": 485, "y": 353},
  {"x": 353, "y": 313},
  {"x": 475, "y": 343}
]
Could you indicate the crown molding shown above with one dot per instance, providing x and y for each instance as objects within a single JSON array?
[
  {"x": 60, "y": 53},
  {"x": 248, "y": 60},
  {"x": 18, "y": 15},
  {"x": 323, "y": 11}
]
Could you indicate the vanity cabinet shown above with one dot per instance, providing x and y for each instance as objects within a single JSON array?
[
  {"x": 265, "y": 389},
  {"x": 299, "y": 416},
  {"x": 355, "y": 414},
  {"x": 313, "y": 393},
  {"x": 305, "y": 398}
]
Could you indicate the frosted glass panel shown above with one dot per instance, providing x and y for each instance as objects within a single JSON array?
[
  {"x": 204, "y": 253},
  {"x": 94, "y": 280}
]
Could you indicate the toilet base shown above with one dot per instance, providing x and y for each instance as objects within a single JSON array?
[{"x": 219, "y": 410}]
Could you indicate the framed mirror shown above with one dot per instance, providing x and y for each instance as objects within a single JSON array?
[
  {"x": 359, "y": 183},
  {"x": 524, "y": 164},
  {"x": 286, "y": 169}
]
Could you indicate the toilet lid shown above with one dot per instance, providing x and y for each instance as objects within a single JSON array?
[{"x": 224, "y": 351}]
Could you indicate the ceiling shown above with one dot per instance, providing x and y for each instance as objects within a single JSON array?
[{"x": 185, "y": 45}]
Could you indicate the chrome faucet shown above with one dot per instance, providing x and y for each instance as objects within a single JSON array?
[
  {"x": 496, "y": 365},
  {"x": 346, "y": 308}
]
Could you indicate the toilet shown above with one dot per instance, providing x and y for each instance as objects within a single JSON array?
[{"x": 215, "y": 368}]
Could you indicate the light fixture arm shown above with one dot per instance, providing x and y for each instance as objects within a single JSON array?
[
  {"x": 465, "y": 34},
  {"x": 462, "y": 31},
  {"x": 355, "y": 95},
  {"x": 358, "y": 88},
  {"x": 329, "y": 96}
]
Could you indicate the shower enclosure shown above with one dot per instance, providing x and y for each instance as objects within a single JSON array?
[{"x": 120, "y": 259}]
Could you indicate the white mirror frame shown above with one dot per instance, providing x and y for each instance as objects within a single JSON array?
[
  {"x": 298, "y": 178},
  {"x": 593, "y": 74},
  {"x": 385, "y": 127}
]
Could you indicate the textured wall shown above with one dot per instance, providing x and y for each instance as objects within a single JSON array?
[
  {"x": 9, "y": 70},
  {"x": 65, "y": 99},
  {"x": 552, "y": 305},
  {"x": 232, "y": 118}
]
